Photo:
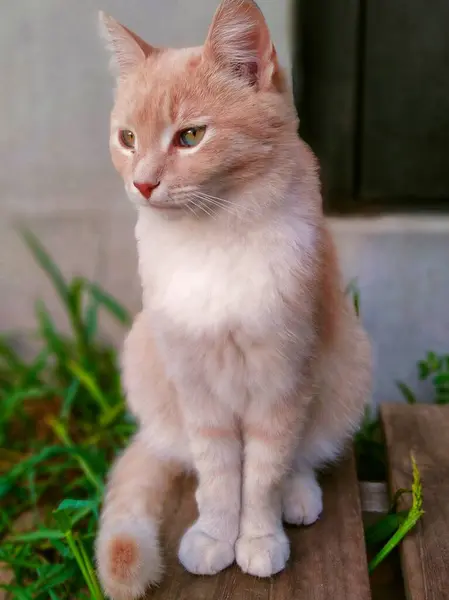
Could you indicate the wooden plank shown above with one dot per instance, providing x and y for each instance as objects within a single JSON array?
[
  {"x": 423, "y": 430},
  {"x": 328, "y": 559}
]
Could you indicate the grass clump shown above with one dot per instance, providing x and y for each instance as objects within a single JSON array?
[{"x": 62, "y": 420}]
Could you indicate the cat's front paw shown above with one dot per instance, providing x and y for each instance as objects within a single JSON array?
[
  {"x": 201, "y": 554},
  {"x": 263, "y": 556},
  {"x": 302, "y": 499},
  {"x": 128, "y": 559}
]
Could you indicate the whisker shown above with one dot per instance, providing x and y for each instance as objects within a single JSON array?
[
  {"x": 229, "y": 209},
  {"x": 203, "y": 208},
  {"x": 224, "y": 201},
  {"x": 187, "y": 205}
]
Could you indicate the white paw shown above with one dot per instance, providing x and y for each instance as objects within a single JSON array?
[
  {"x": 302, "y": 499},
  {"x": 128, "y": 558},
  {"x": 201, "y": 554},
  {"x": 263, "y": 556}
]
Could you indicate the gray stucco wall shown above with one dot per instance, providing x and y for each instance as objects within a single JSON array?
[{"x": 56, "y": 177}]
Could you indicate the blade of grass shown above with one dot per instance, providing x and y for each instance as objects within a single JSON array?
[
  {"x": 61, "y": 432},
  {"x": 383, "y": 529},
  {"x": 50, "y": 333},
  {"x": 406, "y": 392},
  {"x": 65, "y": 526},
  {"x": 19, "y": 593},
  {"x": 113, "y": 413},
  {"x": 110, "y": 304},
  {"x": 413, "y": 516},
  {"x": 35, "y": 369},
  {"x": 75, "y": 306},
  {"x": 89, "y": 383},
  {"x": 40, "y": 535},
  {"x": 10, "y": 356},
  {"x": 47, "y": 264},
  {"x": 72, "y": 504},
  {"x": 69, "y": 398},
  {"x": 60, "y": 575},
  {"x": 9, "y": 404},
  {"x": 91, "y": 318},
  {"x": 91, "y": 572}
]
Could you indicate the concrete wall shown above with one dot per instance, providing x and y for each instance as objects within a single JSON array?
[{"x": 56, "y": 177}]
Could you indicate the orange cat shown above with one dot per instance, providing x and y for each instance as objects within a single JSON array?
[{"x": 247, "y": 364}]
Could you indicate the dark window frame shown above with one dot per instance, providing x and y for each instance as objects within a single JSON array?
[{"x": 329, "y": 94}]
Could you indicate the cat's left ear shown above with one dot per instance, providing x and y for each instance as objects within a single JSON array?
[
  {"x": 239, "y": 40},
  {"x": 128, "y": 49}
]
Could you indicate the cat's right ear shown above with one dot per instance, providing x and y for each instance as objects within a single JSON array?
[{"x": 127, "y": 48}]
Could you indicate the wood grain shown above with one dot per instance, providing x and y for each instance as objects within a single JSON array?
[
  {"x": 328, "y": 559},
  {"x": 423, "y": 430}
]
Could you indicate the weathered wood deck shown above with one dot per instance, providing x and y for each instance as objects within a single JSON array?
[
  {"x": 328, "y": 559},
  {"x": 423, "y": 430}
]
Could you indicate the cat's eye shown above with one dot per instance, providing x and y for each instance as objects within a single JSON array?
[
  {"x": 127, "y": 138},
  {"x": 191, "y": 137}
]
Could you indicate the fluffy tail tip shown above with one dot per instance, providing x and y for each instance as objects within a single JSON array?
[{"x": 128, "y": 558}]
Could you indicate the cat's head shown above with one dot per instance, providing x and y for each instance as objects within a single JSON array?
[{"x": 191, "y": 128}]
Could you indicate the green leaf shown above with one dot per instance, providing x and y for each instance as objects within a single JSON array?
[
  {"x": 70, "y": 503},
  {"x": 406, "y": 392},
  {"x": 85, "y": 465},
  {"x": 110, "y": 304},
  {"x": 91, "y": 319},
  {"x": 412, "y": 517},
  {"x": 95, "y": 586},
  {"x": 76, "y": 290},
  {"x": 10, "y": 356},
  {"x": 18, "y": 592},
  {"x": 423, "y": 370},
  {"x": 90, "y": 384},
  {"x": 55, "y": 576},
  {"x": 13, "y": 561},
  {"x": 112, "y": 414},
  {"x": 35, "y": 369},
  {"x": 50, "y": 333},
  {"x": 45, "y": 261},
  {"x": 82, "y": 507},
  {"x": 69, "y": 398},
  {"x": 441, "y": 380},
  {"x": 9, "y": 404},
  {"x": 353, "y": 289},
  {"x": 442, "y": 397},
  {"x": 434, "y": 362},
  {"x": 383, "y": 529},
  {"x": 34, "y": 536},
  {"x": 63, "y": 521}
]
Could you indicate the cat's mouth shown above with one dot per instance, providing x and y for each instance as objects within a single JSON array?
[{"x": 164, "y": 206}]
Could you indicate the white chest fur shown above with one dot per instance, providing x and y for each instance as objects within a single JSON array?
[{"x": 204, "y": 282}]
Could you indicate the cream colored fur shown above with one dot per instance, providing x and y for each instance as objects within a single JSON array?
[{"x": 247, "y": 365}]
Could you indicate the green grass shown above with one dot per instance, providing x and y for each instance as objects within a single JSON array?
[{"x": 62, "y": 421}]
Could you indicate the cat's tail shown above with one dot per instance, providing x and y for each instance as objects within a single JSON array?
[{"x": 127, "y": 548}]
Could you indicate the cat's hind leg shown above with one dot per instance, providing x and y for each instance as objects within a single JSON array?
[{"x": 334, "y": 416}]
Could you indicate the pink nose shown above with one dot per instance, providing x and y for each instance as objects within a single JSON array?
[{"x": 146, "y": 189}]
